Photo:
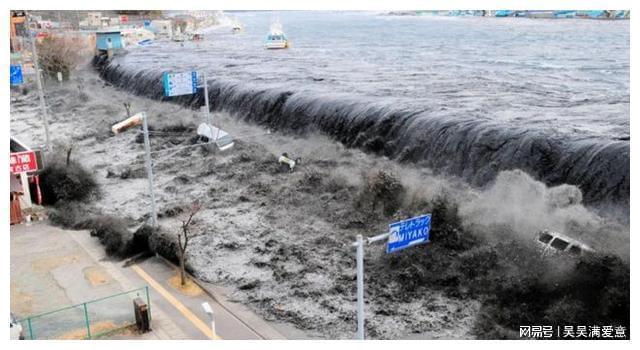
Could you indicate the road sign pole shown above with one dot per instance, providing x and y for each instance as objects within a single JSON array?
[
  {"x": 147, "y": 149},
  {"x": 408, "y": 232},
  {"x": 36, "y": 66},
  {"x": 360, "y": 292},
  {"x": 206, "y": 97}
]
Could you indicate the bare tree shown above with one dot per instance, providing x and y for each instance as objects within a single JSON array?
[
  {"x": 65, "y": 146},
  {"x": 184, "y": 236},
  {"x": 62, "y": 54}
]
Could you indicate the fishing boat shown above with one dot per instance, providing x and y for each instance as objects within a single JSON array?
[
  {"x": 236, "y": 27},
  {"x": 276, "y": 39}
]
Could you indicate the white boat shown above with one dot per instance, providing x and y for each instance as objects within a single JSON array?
[
  {"x": 236, "y": 27},
  {"x": 276, "y": 39}
]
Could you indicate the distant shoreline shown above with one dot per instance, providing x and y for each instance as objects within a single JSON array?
[{"x": 565, "y": 14}]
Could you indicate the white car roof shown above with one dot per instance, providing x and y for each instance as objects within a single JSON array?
[{"x": 566, "y": 239}]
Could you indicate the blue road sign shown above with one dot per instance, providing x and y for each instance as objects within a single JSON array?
[
  {"x": 406, "y": 233},
  {"x": 15, "y": 75},
  {"x": 175, "y": 84}
]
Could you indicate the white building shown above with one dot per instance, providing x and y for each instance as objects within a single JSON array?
[
  {"x": 162, "y": 28},
  {"x": 93, "y": 19}
]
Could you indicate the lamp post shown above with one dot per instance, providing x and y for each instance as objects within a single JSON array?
[{"x": 141, "y": 118}]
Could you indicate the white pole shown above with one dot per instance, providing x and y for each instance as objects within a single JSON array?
[
  {"x": 36, "y": 66},
  {"x": 206, "y": 96},
  {"x": 24, "y": 179},
  {"x": 147, "y": 148},
  {"x": 206, "y": 101},
  {"x": 213, "y": 325},
  {"x": 360, "y": 281}
]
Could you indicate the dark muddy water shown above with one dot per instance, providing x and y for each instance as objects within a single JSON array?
[{"x": 464, "y": 96}]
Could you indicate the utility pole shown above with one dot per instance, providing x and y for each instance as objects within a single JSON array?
[{"x": 39, "y": 82}]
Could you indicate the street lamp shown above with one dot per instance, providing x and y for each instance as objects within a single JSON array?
[
  {"x": 141, "y": 118},
  {"x": 209, "y": 311}
]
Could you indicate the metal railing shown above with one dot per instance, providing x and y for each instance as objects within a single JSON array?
[{"x": 89, "y": 320}]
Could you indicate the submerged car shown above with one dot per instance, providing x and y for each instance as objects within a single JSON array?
[{"x": 553, "y": 242}]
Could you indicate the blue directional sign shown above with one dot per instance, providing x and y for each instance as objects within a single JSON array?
[
  {"x": 406, "y": 233},
  {"x": 15, "y": 75},
  {"x": 175, "y": 84}
]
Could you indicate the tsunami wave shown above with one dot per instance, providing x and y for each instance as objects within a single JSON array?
[{"x": 474, "y": 149}]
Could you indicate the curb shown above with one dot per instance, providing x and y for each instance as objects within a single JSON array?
[{"x": 267, "y": 332}]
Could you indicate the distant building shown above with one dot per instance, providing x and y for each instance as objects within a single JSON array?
[
  {"x": 105, "y": 21},
  {"x": 162, "y": 28},
  {"x": 108, "y": 41},
  {"x": 18, "y": 29},
  {"x": 94, "y": 19},
  {"x": 540, "y": 14}
]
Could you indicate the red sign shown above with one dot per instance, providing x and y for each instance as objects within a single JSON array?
[
  {"x": 23, "y": 162},
  {"x": 124, "y": 19}
]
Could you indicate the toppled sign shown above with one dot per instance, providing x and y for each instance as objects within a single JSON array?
[{"x": 221, "y": 138}]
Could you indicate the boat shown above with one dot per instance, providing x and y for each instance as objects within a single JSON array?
[
  {"x": 236, "y": 28},
  {"x": 276, "y": 39}
]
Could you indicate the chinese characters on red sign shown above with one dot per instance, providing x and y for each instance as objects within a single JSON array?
[{"x": 22, "y": 162}]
